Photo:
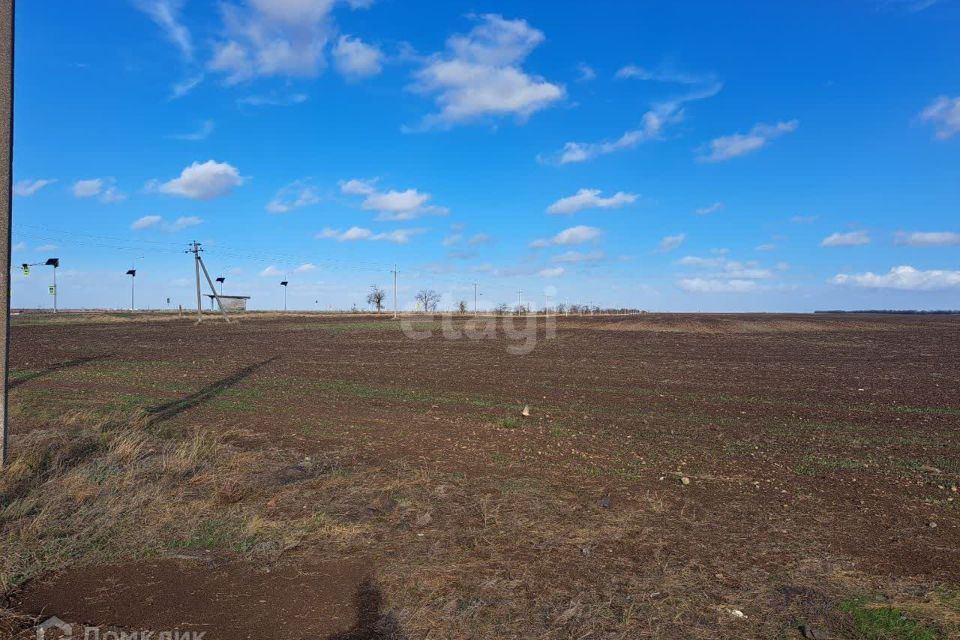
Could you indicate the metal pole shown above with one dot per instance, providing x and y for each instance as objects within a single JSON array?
[
  {"x": 394, "y": 292},
  {"x": 6, "y": 179},
  {"x": 475, "y": 312},
  {"x": 54, "y": 289},
  {"x": 133, "y": 305}
]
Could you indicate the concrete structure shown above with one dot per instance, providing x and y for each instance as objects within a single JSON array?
[{"x": 230, "y": 303}]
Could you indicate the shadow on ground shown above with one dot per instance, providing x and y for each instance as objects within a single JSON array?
[
  {"x": 168, "y": 410},
  {"x": 53, "y": 368},
  {"x": 372, "y": 622}
]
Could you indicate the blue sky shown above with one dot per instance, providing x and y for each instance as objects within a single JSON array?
[{"x": 771, "y": 156}]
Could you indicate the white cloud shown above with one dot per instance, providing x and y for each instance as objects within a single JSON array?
[
  {"x": 849, "y": 239},
  {"x": 399, "y": 236},
  {"x": 653, "y": 122},
  {"x": 87, "y": 188},
  {"x": 271, "y": 272},
  {"x": 480, "y": 75},
  {"x": 101, "y": 188},
  {"x": 662, "y": 74},
  {"x": 182, "y": 223},
  {"x": 768, "y": 246},
  {"x": 586, "y": 72},
  {"x": 297, "y": 194},
  {"x": 26, "y": 188},
  {"x": 944, "y": 114},
  {"x": 206, "y": 128},
  {"x": 571, "y": 257},
  {"x": 704, "y": 211},
  {"x": 306, "y": 267},
  {"x": 590, "y": 199},
  {"x": 166, "y": 14},
  {"x": 201, "y": 181},
  {"x": 146, "y": 222},
  {"x": 738, "y": 144},
  {"x": 266, "y": 38},
  {"x": 355, "y": 59},
  {"x": 704, "y": 285},
  {"x": 905, "y": 278},
  {"x": 452, "y": 239},
  {"x": 929, "y": 238},
  {"x": 47, "y": 247},
  {"x": 274, "y": 100},
  {"x": 726, "y": 269},
  {"x": 392, "y": 205},
  {"x": 551, "y": 272},
  {"x": 185, "y": 86},
  {"x": 480, "y": 238},
  {"x": 669, "y": 243},
  {"x": 573, "y": 235}
]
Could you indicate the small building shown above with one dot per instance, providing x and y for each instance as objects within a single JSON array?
[{"x": 230, "y": 303}]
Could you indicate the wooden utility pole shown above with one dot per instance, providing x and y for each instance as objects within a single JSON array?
[{"x": 6, "y": 217}]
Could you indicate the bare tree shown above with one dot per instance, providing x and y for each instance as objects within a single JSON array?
[
  {"x": 376, "y": 297},
  {"x": 502, "y": 309},
  {"x": 462, "y": 307},
  {"x": 428, "y": 300}
]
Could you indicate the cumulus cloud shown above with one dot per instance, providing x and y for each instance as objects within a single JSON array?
[
  {"x": 944, "y": 114},
  {"x": 480, "y": 75},
  {"x": 705, "y": 211},
  {"x": 297, "y": 194},
  {"x": 739, "y": 144},
  {"x": 571, "y": 257},
  {"x": 720, "y": 270},
  {"x": 551, "y": 272},
  {"x": 571, "y": 236},
  {"x": 669, "y": 243},
  {"x": 166, "y": 14},
  {"x": 905, "y": 278},
  {"x": 704, "y": 285},
  {"x": 26, "y": 188},
  {"x": 480, "y": 238},
  {"x": 101, "y": 188},
  {"x": 929, "y": 238},
  {"x": 264, "y": 38},
  {"x": 201, "y": 181},
  {"x": 392, "y": 205},
  {"x": 146, "y": 222},
  {"x": 849, "y": 239},
  {"x": 182, "y": 223},
  {"x": 306, "y": 267},
  {"x": 399, "y": 236},
  {"x": 590, "y": 199},
  {"x": 355, "y": 59}
]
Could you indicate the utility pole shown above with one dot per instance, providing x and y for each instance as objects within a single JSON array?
[
  {"x": 394, "y": 272},
  {"x": 195, "y": 250},
  {"x": 6, "y": 182},
  {"x": 284, "y": 284},
  {"x": 133, "y": 277},
  {"x": 220, "y": 280},
  {"x": 519, "y": 301},
  {"x": 475, "y": 311}
]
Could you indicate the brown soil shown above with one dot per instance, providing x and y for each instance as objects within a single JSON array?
[{"x": 822, "y": 454}]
